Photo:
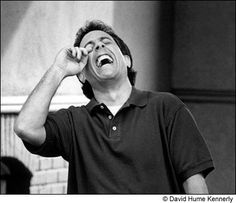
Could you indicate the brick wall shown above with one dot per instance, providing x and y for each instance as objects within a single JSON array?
[{"x": 49, "y": 174}]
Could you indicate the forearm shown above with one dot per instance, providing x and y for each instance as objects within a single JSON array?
[
  {"x": 195, "y": 184},
  {"x": 29, "y": 125},
  {"x": 30, "y": 122}
]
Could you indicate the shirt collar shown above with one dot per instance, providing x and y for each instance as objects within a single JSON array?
[{"x": 137, "y": 98}]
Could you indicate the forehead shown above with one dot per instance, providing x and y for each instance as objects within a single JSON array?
[{"x": 93, "y": 35}]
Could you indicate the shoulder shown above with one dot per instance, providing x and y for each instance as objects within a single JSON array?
[
  {"x": 165, "y": 104},
  {"x": 66, "y": 112},
  {"x": 164, "y": 99}
]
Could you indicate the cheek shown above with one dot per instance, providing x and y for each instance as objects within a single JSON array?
[
  {"x": 88, "y": 69},
  {"x": 121, "y": 60},
  {"x": 119, "y": 56},
  {"x": 89, "y": 64},
  {"x": 91, "y": 60}
]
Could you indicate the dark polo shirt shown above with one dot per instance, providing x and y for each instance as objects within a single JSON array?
[{"x": 152, "y": 145}]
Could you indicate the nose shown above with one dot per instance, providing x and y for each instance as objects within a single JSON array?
[{"x": 99, "y": 45}]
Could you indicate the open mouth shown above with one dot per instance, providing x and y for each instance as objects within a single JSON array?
[{"x": 103, "y": 60}]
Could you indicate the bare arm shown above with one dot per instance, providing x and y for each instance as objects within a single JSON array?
[
  {"x": 195, "y": 184},
  {"x": 29, "y": 124}
]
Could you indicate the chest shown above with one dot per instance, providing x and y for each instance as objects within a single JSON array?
[{"x": 132, "y": 133}]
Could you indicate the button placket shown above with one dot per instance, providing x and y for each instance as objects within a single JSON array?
[{"x": 114, "y": 128}]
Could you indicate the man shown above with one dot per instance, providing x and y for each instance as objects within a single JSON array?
[{"x": 124, "y": 140}]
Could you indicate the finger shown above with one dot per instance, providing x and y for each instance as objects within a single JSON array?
[
  {"x": 84, "y": 51},
  {"x": 78, "y": 53},
  {"x": 84, "y": 57},
  {"x": 69, "y": 52},
  {"x": 73, "y": 52}
]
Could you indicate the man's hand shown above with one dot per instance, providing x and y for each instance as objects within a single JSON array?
[{"x": 72, "y": 60}]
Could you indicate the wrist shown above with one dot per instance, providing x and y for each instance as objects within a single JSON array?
[{"x": 58, "y": 71}]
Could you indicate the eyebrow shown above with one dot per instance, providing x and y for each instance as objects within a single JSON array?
[{"x": 101, "y": 38}]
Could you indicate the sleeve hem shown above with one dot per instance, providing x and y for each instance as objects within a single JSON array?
[
  {"x": 204, "y": 168},
  {"x": 38, "y": 149},
  {"x": 32, "y": 148}
]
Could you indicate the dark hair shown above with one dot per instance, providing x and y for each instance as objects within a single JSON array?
[{"x": 99, "y": 25}]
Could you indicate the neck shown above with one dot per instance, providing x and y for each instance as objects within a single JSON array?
[{"x": 115, "y": 94}]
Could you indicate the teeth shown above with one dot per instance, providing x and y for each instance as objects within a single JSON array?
[{"x": 100, "y": 58}]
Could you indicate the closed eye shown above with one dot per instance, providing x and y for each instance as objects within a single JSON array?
[{"x": 106, "y": 40}]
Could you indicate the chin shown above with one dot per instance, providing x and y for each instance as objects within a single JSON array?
[{"x": 107, "y": 74}]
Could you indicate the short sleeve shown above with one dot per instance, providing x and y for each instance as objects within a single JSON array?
[
  {"x": 58, "y": 136},
  {"x": 189, "y": 152}
]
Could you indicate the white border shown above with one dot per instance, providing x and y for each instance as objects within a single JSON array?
[
  {"x": 13, "y": 104},
  {"x": 100, "y": 198}
]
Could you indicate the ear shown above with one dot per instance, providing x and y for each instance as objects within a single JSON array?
[
  {"x": 81, "y": 77},
  {"x": 127, "y": 61}
]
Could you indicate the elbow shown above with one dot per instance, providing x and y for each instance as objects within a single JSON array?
[
  {"x": 28, "y": 133},
  {"x": 22, "y": 128},
  {"x": 19, "y": 129}
]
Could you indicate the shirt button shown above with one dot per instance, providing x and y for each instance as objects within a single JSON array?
[
  {"x": 114, "y": 128},
  {"x": 102, "y": 107},
  {"x": 110, "y": 117}
]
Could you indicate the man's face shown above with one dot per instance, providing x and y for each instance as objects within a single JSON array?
[{"x": 106, "y": 61}]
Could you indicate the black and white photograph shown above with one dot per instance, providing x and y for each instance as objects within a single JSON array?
[{"x": 119, "y": 98}]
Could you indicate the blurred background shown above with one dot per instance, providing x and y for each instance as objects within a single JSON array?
[{"x": 183, "y": 47}]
